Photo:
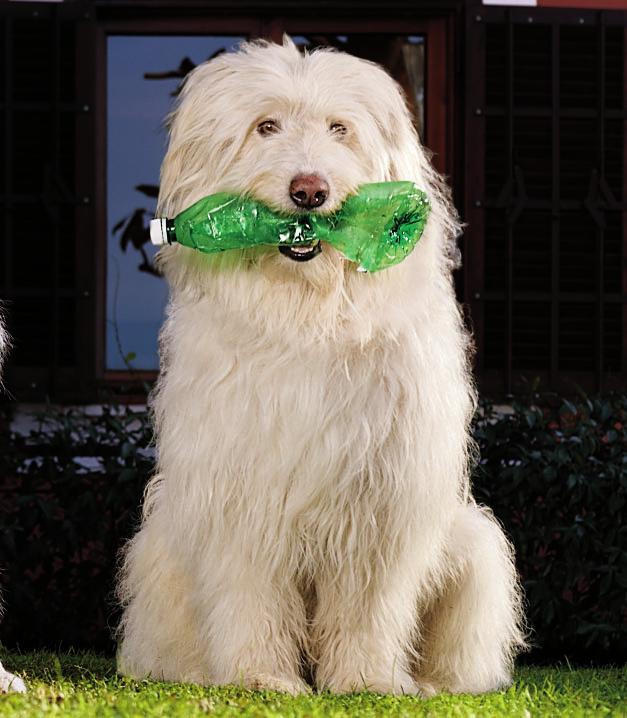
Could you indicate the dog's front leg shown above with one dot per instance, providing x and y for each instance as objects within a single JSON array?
[
  {"x": 9, "y": 682},
  {"x": 474, "y": 628},
  {"x": 254, "y": 631},
  {"x": 363, "y": 638}
]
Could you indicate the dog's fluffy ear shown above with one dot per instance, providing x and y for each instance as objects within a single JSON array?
[
  {"x": 5, "y": 344},
  {"x": 289, "y": 43},
  {"x": 410, "y": 160},
  {"x": 203, "y": 142},
  {"x": 385, "y": 101}
]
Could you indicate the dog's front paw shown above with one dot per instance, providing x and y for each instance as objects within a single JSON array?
[
  {"x": 10, "y": 683},
  {"x": 267, "y": 682},
  {"x": 428, "y": 690},
  {"x": 400, "y": 684}
]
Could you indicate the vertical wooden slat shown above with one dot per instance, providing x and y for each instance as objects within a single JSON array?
[
  {"x": 474, "y": 178},
  {"x": 100, "y": 192},
  {"x": 437, "y": 118},
  {"x": 509, "y": 224},
  {"x": 89, "y": 252},
  {"x": 555, "y": 195},
  {"x": 601, "y": 173},
  {"x": 54, "y": 229},
  {"x": 7, "y": 258}
]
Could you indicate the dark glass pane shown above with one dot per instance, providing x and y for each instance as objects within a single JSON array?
[
  {"x": 532, "y": 252},
  {"x": 66, "y": 255},
  {"x": 614, "y": 67},
  {"x": 65, "y": 336},
  {"x": 32, "y": 59},
  {"x": 67, "y": 157},
  {"x": 614, "y": 156},
  {"x": 577, "y": 253},
  {"x": 578, "y": 66},
  {"x": 613, "y": 253},
  {"x": 496, "y": 65},
  {"x": 532, "y": 154},
  {"x": 3, "y": 69},
  {"x": 31, "y": 150},
  {"x": 577, "y": 336},
  {"x": 495, "y": 251},
  {"x": 31, "y": 329},
  {"x": 577, "y": 156},
  {"x": 531, "y": 335},
  {"x": 496, "y": 160},
  {"x": 32, "y": 247},
  {"x": 532, "y": 66},
  {"x": 67, "y": 61},
  {"x": 614, "y": 322},
  {"x": 494, "y": 335}
]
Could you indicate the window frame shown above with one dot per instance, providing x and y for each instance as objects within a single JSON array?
[{"x": 439, "y": 115}]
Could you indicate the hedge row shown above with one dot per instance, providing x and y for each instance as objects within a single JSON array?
[
  {"x": 555, "y": 474},
  {"x": 554, "y": 471}
]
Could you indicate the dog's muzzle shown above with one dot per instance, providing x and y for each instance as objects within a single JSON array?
[{"x": 302, "y": 252}]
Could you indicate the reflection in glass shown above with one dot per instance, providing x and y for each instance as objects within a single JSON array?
[{"x": 143, "y": 74}]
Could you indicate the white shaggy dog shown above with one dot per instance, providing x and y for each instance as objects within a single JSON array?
[
  {"x": 311, "y": 505},
  {"x": 8, "y": 682}
]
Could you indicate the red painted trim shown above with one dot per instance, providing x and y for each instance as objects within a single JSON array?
[
  {"x": 585, "y": 4},
  {"x": 437, "y": 116},
  {"x": 566, "y": 4}
]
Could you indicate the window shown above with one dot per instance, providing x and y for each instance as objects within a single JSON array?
[
  {"x": 136, "y": 142},
  {"x": 547, "y": 238}
]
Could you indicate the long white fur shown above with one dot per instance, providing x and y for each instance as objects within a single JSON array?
[
  {"x": 311, "y": 503},
  {"x": 8, "y": 682}
]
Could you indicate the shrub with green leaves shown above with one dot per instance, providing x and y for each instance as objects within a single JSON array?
[
  {"x": 71, "y": 495},
  {"x": 554, "y": 471}
]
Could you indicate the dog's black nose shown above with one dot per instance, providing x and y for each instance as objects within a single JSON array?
[{"x": 308, "y": 191}]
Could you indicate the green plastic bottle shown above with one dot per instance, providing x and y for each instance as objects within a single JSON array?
[{"x": 375, "y": 228}]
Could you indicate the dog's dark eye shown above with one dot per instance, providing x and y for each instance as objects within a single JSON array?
[
  {"x": 268, "y": 127},
  {"x": 337, "y": 128}
]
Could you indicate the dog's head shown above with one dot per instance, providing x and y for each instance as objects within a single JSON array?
[{"x": 298, "y": 132}]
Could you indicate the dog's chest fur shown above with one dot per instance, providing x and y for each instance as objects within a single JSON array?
[{"x": 314, "y": 428}]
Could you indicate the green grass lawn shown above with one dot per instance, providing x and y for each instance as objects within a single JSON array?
[{"x": 86, "y": 685}]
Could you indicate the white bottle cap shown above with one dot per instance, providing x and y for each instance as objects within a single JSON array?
[{"x": 158, "y": 233}]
